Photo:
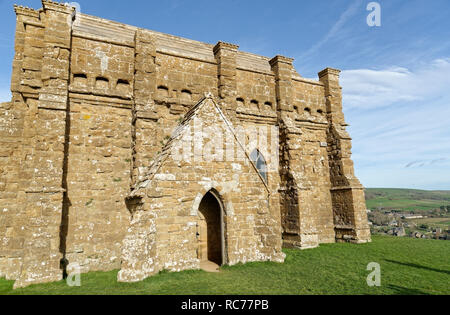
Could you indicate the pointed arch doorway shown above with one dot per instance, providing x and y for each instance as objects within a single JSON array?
[{"x": 211, "y": 243}]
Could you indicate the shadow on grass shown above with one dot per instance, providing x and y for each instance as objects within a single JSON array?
[
  {"x": 406, "y": 291},
  {"x": 418, "y": 266}
]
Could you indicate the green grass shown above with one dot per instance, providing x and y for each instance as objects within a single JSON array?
[
  {"x": 408, "y": 266},
  {"x": 406, "y": 199}
]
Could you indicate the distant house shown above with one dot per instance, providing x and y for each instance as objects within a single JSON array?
[
  {"x": 400, "y": 232},
  {"x": 412, "y": 216},
  {"x": 393, "y": 223}
]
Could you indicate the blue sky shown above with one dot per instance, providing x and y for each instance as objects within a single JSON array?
[{"x": 396, "y": 78}]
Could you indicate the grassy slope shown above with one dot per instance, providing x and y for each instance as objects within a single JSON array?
[
  {"x": 406, "y": 199},
  {"x": 408, "y": 266}
]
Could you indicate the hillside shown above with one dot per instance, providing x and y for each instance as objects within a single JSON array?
[
  {"x": 406, "y": 199},
  {"x": 408, "y": 266}
]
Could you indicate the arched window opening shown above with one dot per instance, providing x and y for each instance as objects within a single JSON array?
[
  {"x": 186, "y": 95},
  {"x": 240, "y": 102},
  {"x": 268, "y": 105},
  {"x": 80, "y": 79},
  {"x": 260, "y": 163},
  {"x": 254, "y": 104},
  {"x": 123, "y": 82},
  {"x": 101, "y": 83},
  {"x": 163, "y": 91},
  {"x": 123, "y": 86}
]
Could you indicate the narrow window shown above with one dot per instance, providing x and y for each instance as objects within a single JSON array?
[
  {"x": 260, "y": 163},
  {"x": 134, "y": 205}
]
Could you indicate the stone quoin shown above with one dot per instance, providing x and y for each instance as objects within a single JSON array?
[{"x": 89, "y": 169}]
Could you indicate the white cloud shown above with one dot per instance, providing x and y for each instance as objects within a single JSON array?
[
  {"x": 400, "y": 124},
  {"x": 367, "y": 88}
]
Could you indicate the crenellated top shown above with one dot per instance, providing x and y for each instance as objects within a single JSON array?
[
  {"x": 281, "y": 59},
  {"x": 57, "y": 6},
  {"x": 123, "y": 36},
  {"x": 46, "y": 5},
  {"x": 96, "y": 28},
  {"x": 329, "y": 71},
  {"x": 223, "y": 45},
  {"x": 110, "y": 31},
  {"x": 144, "y": 36},
  {"x": 21, "y": 10}
]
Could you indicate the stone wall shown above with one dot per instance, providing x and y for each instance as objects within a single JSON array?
[
  {"x": 15, "y": 120},
  {"x": 98, "y": 180},
  {"x": 40, "y": 92},
  {"x": 349, "y": 208},
  {"x": 164, "y": 226},
  {"x": 11, "y": 246}
]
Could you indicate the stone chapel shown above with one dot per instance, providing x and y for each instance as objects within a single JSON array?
[{"x": 125, "y": 148}]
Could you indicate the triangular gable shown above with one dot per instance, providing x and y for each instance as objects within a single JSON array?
[{"x": 178, "y": 135}]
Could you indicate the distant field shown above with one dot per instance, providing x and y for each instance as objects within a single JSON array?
[
  {"x": 435, "y": 222},
  {"x": 408, "y": 266},
  {"x": 406, "y": 199}
]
